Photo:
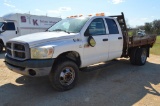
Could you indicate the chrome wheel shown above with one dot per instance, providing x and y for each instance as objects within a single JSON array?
[{"x": 67, "y": 76}]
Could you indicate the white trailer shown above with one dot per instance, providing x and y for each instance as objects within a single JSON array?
[{"x": 16, "y": 24}]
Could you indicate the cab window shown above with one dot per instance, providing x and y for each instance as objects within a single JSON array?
[
  {"x": 112, "y": 26},
  {"x": 10, "y": 26},
  {"x": 96, "y": 27}
]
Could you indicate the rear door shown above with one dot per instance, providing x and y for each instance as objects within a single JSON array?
[
  {"x": 115, "y": 39},
  {"x": 99, "y": 52}
]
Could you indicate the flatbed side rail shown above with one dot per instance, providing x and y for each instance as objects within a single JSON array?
[{"x": 148, "y": 41}]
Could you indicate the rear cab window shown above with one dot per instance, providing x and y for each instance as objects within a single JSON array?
[{"x": 112, "y": 26}]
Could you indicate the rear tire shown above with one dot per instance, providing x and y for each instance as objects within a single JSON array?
[
  {"x": 141, "y": 56},
  {"x": 64, "y": 75},
  {"x": 133, "y": 56}
]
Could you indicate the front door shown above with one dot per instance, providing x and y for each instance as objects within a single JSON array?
[{"x": 99, "y": 52}]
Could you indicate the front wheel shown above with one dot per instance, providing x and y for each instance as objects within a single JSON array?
[{"x": 64, "y": 75}]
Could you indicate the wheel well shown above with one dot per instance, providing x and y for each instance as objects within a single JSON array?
[
  {"x": 1, "y": 42},
  {"x": 71, "y": 55}
]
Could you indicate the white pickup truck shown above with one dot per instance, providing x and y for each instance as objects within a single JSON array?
[{"x": 72, "y": 44}]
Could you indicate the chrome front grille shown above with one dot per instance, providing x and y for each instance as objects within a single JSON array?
[{"x": 17, "y": 50}]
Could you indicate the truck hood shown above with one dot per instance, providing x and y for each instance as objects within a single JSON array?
[{"x": 42, "y": 37}]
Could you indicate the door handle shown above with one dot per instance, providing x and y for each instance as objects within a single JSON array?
[
  {"x": 119, "y": 37},
  {"x": 105, "y": 40}
]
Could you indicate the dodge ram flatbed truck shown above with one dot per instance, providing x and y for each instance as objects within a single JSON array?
[{"x": 72, "y": 44}]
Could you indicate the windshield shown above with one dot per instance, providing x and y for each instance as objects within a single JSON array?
[
  {"x": 1, "y": 23},
  {"x": 69, "y": 25}
]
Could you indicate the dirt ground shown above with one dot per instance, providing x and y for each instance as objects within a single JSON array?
[{"x": 116, "y": 83}]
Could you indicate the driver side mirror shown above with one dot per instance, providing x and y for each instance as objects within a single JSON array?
[{"x": 91, "y": 41}]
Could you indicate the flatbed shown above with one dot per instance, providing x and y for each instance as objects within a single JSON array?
[{"x": 132, "y": 41}]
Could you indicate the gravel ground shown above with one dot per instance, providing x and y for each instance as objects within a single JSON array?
[{"x": 116, "y": 83}]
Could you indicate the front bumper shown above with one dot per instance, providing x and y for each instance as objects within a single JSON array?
[{"x": 41, "y": 67}]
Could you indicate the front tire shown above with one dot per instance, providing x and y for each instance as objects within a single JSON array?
[{"x": 64, "y": 75}]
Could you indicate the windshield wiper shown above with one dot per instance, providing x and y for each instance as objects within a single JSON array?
[{"x": 61, "y": 30}]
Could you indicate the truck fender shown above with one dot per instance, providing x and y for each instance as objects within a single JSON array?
[{"x": 70, "y": 55}]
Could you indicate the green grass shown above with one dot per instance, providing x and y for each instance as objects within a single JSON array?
[{"x": 156, "y": 48}]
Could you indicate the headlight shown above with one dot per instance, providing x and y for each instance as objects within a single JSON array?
[{"x": 43, "y": 52}]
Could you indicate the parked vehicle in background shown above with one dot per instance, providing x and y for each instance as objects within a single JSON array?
[
  {"x": 14, "y": 25},
  {"x": 72, "y": 44},
  {"x": 141, "y": 32}
]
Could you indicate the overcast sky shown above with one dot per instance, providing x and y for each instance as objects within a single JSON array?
[{"x": 137, "y": 12}]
